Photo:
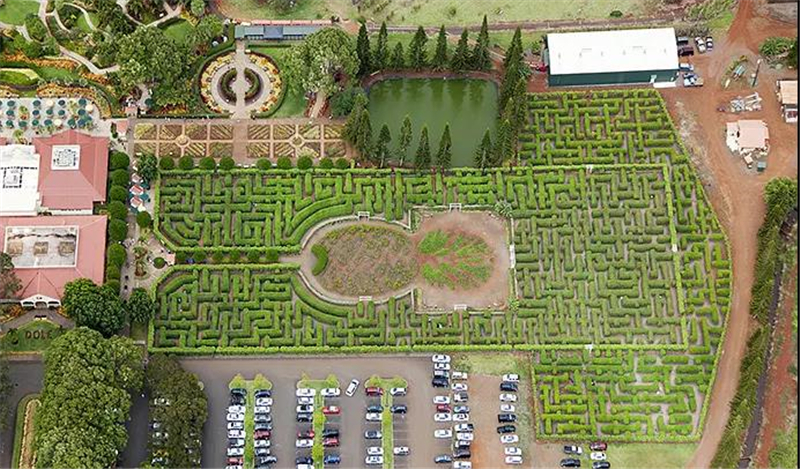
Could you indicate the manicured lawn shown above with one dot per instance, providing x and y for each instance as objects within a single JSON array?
[
  {"x": 255, "y": 9},
  {"x": 19, "y": 427},
  {"x": 15, "y": 11},
  {"x": 294, "y": 103},
  {"x": 83, "y": 25},
  {"x": 179, "y": 30},
  {"x": 34, "y": 336},
  {"x": 138, "y": 331},
  {"x": 650, "y": 455},
  {"x": 23, "y": 76}
]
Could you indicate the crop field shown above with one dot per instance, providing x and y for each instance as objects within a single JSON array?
[{"x": 621, "y": 272}]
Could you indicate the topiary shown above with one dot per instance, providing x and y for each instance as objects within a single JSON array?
[
  {"x": 342, "y": 163},
  {"x": 186, "y": 163},
  {"x": 144, "y": 220},
  {"x": 166, "y": 163},
  {"x": 117, "y": 193},
  {"x": 120, "y": 177},
  {"x": 253, "y": 256},
  {"x": 284, "y": 162},
  {"x": 305, "y": 162},
  {"x": 117, "y": 230},
  {"x": 218, "y": 257},
  {"x": 326, "y": 163},
  {"x": 180, "y": 257},
  {"x": 199, "y": 256},
  {"x": 117, "y": 210},
  {"x": 159, "y": 262},
  {"x": 119, "y": 160},
  {"x": 235, "y": 255},
  {"x": 272, "y": 256},
  {"x": 227, "y": 163},
  {"x": 321, "y": 254},
  {"x": 208, "y": 163},
  {"x": 263, "y": 164},
  {"x": 116, "y": 254},
  {"x": 112, "y": 272}
]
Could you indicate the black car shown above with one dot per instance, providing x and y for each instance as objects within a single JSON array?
[
  {"x": 570, "y": 462},
  {"x": 461, "y": 409},
  {"x": 332, "y": 459},
  {"x": 461, "y": 453},
  {"x": 304, "y": 460},
  {"x": 263, "y": 451},
  {"x": 375, "y": 408},
  {"x": 440, "y": 383},
  {"x": 399, "y": 409},
  {"x": 443, "y": 459},
  {"x": 239, "y": 392},
  {"x": 237, "y": 399},
  {"x": 263, "y": 393},
  {"x": 506, "y": 418},
  {"x": 261, "y": 460},
  {"x": 461, "y": 444},
  {"x": 262, "y": 426},
  {"x": 330, "y": 432},
  {"x": 305, "y": 417},
  {"x": 506, "y": 429},
  {"x": 601, "y": 465},
  {"x": 506, "y": 386},
  {"x": 685, "y": 51}
]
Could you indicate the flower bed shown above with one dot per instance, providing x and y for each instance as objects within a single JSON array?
[
  {"x": 271, "y": 69},
  {"x": 206, "y": 77}
]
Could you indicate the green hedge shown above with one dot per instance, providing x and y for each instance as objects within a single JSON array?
[{"x": 321, "y": 254}]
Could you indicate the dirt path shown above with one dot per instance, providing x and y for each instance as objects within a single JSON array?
[
  {"x": 735, "y": 192},
  {"x": 782, "y": 392}
]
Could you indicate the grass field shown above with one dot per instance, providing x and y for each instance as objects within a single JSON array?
[
  {"x": 34, "y": 336},
  {"x": 179, "y": 30},
  {"x": 650, "y": 455},
  {"x": 83, "y": 25},
  {"x": 255, "y": 9},
  {"x": 15, "y": 11},
  {"x": 294, "y": 103}
]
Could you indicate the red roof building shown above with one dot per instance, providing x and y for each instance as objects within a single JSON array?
[
  {"x": 73, "y": 170},
  {"x": 50, "y": 251}
]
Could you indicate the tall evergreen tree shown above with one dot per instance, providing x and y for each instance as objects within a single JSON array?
[
  {"x": 440, "y": 58},
  {"x": 480, "y": 54},
  {"x": 461, "y": 60},
  {"x": 483, "y": 154},
  {"x": 363, "y": 52},
  {"x": 398, "y": 61},
  {"x": 351, "y": 127},
  {"x": 381, "y": 152},
  {"x": 520, "y": 96},
  {"x": 418, "y": 50},
  {"x": 445, "y": 153},
  {"x": 406, "y": 136},
  {"x": 514, "y": 51},
  {"x": 503, "y": 145},
  {"x": 422, "y": 159},
  {"x": 513, "y": 69},
  {"x": 364, "y": 138},
  {"x": 380, "y": 58}
]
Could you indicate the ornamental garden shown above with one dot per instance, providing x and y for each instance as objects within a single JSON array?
[{"x": 615, "y": 272}]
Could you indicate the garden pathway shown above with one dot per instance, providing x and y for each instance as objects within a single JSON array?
[
  {"x": 241, "y": 109},
  {"x": 29, "y": 316}
]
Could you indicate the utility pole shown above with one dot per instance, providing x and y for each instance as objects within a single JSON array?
[{"x": 755, "y": 75}]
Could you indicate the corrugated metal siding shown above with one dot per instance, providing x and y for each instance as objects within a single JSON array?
[{"x": 617, "y": 78}]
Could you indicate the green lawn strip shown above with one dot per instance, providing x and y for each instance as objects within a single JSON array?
[
  {"x": 387, "y": 428},
  {"x": 648, "y": 455},
  {"x": 19, "y": 429},
  {"x": 179, "y": 30},
  {"x": 15, "y": 11},
  {"x": 18, "y": 77},
  {"x": 34, "y": 336},
  {"x": 294, "y": 102},
  {"x": 249, "y": 425},
  {"x": 318, "y": 418}
]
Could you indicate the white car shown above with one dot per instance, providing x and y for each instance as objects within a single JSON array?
[
  {"x": 398, "y": 391},
  {"x": 597, "y": 456},
  {"x": 442, "y": 417},
  {"x": 264, "y": 401},
  {"x": 462, "y": 465},
  {"x": 236, "y": 409},
  {"x": 401, "y": 450},
  {"x": 511, "y": 378},
  {"x": 304, "y": 466},
  {"x": 465, "y": 436},
  {"x": 235, "y": 417},
  {"x": 261, "y": 443},
  {"x": 458, "y": 375},
  {"x": 441, "y": 366},
  {"x": 440, "y": 359},
  {"x": 235, "y": 433},
  {"x": 305, "y": 392},
  {"x": 441, "y": 399},
  {"x": 351, "y": 388},
  {"x": 305, "y": 400},
  {"x": 443, "y": 433},
  {"x": 375, "y": 451},
  {"x": 507, "y": 408},
  {"x": 374, "y": 460},
  {"x": 509, "y": 439},
  {"x": 512, "y": 451},
  {"x": 235, "y": 425},
  {"x": 458, "y": 387},
  {"x": 460, "y": 397},
  {"x": 234, "y": 467},
  {"x": 465, "y": 427},
  {"x": 373, "y": 417},
  {"x": 236, "y": 451},
  {"x": 506, "y": 397},
  {"x": 236, "y": 442},
  {"x": 304, "y": 443},
  {"x": 515, "y": 460},
  {"x": 331, "y": 392},
  {"x": 304, "y": 409},
  {"x": 262, "y": 409},
  {"x": 460, "y": 417}
]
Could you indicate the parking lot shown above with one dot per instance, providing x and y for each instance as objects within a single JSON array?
[{"x": 414, "y": 429}]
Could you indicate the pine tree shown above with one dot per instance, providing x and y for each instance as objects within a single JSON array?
[
  {"x": 406, "y": 135},
  {"x": 418, "y": 50},
  {"x": 398, "y": 57},
  {"x": 480, "y": 54},
  {"x": 483, "y": 153},
  {"x": 380, "y": 58},
  {"x": 382, "y": 145},
  {"x": 461, "y": 59},
  {"x": 351, "y": 127},
  {"x": 364, "y": 138},
  {"x": 363, "y": 52},
  {"x": 422, "y": 159},
  {"x": 513, "y": 70},
  {"x": 512, "y": 137},
  {"x": 502, "y": 147},
  {"x": 520, "y": 96},
  {"x": 514, "y": 51},
  {"x": 440, "y": 58},
  {"x": 444, "y": 155}
]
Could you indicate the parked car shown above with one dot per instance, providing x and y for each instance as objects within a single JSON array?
[
  {"x": 373, "y": 417},
  {"x": 302, "y": 409},
  {"x": 462, "y": 465},
  {"x": 509, "y": 387},
  {"x": 709, "y": 43},
  {"x": 235, "y": 425},
  {"x": 263, "y": 426},
  {"x": 330, "y": 392},
  {"x": 701, "y": 44},
  {"x": 506, "y": 429},
  {"x": 465, "y": 427},
  {"x": 235, "y": 409},
  {"x": 261, "y": 443},
  {"x": 462, "y": 453},
  {"x": 398, "y": 391},
  {"x": 328, "y": 432},
  {"x": 572, "y": 449},
  {"x": 441, "y": 399},
  {"x": 505, "y": 418},
  {"x": 305, "y": 400},
  {"x": 304, "y": 443},
  {"x": 505, "y": 397},
  {"x": 443, "y": 408},
  {"x": 330, "y": 410},
  {"x": 601, "y": 465},
  {"x": 262, "y": 409},
  {"x": 373, "y": 435},
  {"x": 375, "y": 408},
  {"x": 401, "y": 450},
  {"x": 351, "y": 388},
  {"x": 375, "y": 451},
  {"x": 330, "y": 442},
  {"x": 236, "y": 451},
  {"x": 597, "y": 456},
  {"x": 304, "y": 418},
  {"x": 514, "y": 460},
  {"x": 598, "y": 446},
  {"x": 440, "y": 358},
  {"x": 461, "y": 409},
  {"x": 305, "y": 434},
  {"x": 507, "y": 408},
  {"x": 306, "y": 392},
  {"x": 570, "y": 462},
  {"x": 331, "y": 459},
  {"x": 509, "y": 439},
  {"x": 442, "y": 417},
  {"x": 441, "y": 374},
  {"x": 458, "y": 387},
  {"x": 439, "y": 382},
  {"x": 373, "y": 460},
  {"x": 512, "y": 451},
  {"x": 304, "y": 460},
  {"x": 262, "y": 451},
  {"x": 266, "y": 460},
  {"x": 460, "y": 397},
  {"x": 235, "y": 442},
  {"x": 465, "y": 436},
  {"x": 235, "y": 433},
  {"x": 235, "y": 417},
  {"x": 443, "y": 433},
  {"x": 304, "y": 466},
  {"x": 262, "y": 435},
  {"x": 262, "y": 393},
  {"x": 443, "y": 459},
  {"x": 682, "y": 41},
  {"x": 262, "y": 418},
  {"x": 459, "y": 375},
  {"x": 441, "y": 366},
  {"x": 685, "y": 51},
  {"x": 462, "y": 444},
  {"x": 373, "y": 391},
  {"x": 236, "y": 460},
  {"x": 399, "y": 409},
  {"x": 460, "y": 417},
  {"x": 511, "y": 378},
  {"x": 264, "y": 401}
]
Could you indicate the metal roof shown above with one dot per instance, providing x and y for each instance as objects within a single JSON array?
[
  {"x": 612, "y": 51},
  {"x": 300, "y": 30}
]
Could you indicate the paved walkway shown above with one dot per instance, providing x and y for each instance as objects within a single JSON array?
[
  {"x": 29, "y": 316},
  {"x": 241, "y": 109}
]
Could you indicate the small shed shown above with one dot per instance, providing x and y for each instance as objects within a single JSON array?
[
  {"x": 787, "y": 96},
  {"x": 748, "y": 136}
]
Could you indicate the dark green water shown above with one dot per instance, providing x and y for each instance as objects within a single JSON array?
[{"x": 470, "y": 106}]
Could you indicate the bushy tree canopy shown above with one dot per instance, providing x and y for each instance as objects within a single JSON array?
[
  {"x": 99, "y": 308},
  {"x": 315, "y": 63}
]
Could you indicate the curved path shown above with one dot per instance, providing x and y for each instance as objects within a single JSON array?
[{"x": 241, "y": 109}]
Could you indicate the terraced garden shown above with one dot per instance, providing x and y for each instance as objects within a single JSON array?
[{"x": 621, "y": 274}]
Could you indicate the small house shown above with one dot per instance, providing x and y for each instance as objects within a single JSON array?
[{"x": 787, "y": 96}]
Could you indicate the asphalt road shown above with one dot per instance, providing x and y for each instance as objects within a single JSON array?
[
  {"x": 27, "y": 378},
  {"x": 284, "y": 372}
]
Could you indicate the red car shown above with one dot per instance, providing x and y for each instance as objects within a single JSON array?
[
  {"x": 443, "y": 408},
  {"x": 539, "y": 67},
  {"x": 332, "y": 441},
  {"x": 261, "y": 435},
  {"x": 236, "y": 461},
  {"x": 374, "y": 391},
  {"x": 598, "y": 446},
  {"x": 330, "y": 410},
  {"x": 306, "y": 435}
]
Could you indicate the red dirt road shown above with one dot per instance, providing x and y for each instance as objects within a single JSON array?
[{"x": 735, "y": 192}]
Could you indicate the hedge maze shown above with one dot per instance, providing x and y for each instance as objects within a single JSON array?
[{"x": 622, "y": 271}]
